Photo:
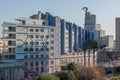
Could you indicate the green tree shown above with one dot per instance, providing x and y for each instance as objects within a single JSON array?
[
  {"x": 71, "y": 66},
  {"x": 46, "y": 76},
  {"x": 103, "y": 46},
  {"x": 66, "y": 75}
]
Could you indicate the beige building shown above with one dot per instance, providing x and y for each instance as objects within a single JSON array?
[
  {"x": 56, "y": 64},
  {"x": 117, "y": 22},
  {"x": 3, "y": 44}
]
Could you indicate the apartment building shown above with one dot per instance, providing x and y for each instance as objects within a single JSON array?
[{"x": 42, "y": 39}]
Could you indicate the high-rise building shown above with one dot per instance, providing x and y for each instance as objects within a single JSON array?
[
  {"x": 99, "y": 34},
  {"x": 41, "y": 40},
  {"x": 117, "y": 23},
  {"x": 90, "y": 21}
]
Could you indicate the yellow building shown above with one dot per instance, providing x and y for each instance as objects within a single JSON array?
[{"x": 3, "y": 46}]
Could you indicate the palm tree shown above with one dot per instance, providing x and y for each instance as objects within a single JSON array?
[
  {"x": 89, "y": 44},
  {"x": 84, "y": 47},
  {"x": 94, "y": 46}
]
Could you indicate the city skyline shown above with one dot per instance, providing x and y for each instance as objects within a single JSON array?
[{"x": 72, "y": 12}]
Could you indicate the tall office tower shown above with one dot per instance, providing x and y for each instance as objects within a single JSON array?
[
  {"x": 90, "y": 22},
  {"x": 117, "y": 23}
]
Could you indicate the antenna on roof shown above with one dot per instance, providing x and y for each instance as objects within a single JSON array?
[{"x": 85, "y": 9}]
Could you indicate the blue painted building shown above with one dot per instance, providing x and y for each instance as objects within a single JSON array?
[{"x": 72, "y": 35}]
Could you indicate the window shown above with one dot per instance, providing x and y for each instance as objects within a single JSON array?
[
  {"x": 42, "y": 49},
  {"x": 31, "y": 63},
  {"x": 31, "y": 56},
  {"x": 37, "y": 36},
  {"x": 42, "y": 62},
  {"x": 52, "y": 42},
  {"x": 31, "y": 36},
  {"x": 80, "y": 53},
  {"x": 42, "y": 36},
  {"x": 31, "y": 30},
  {"x": 26, "y": 63},
  {"x": 25, "y": 49},
  {"x": 37, "y": 63},
  {"x": 36, "y": 30},
  {"x": 31, "y": 43},
  {"x": 37, "y": 43},
  {"x": 42, "y": 56},
  {"x": 51, "y": 47},
  {"x": 23, "y": 22},
  {"x": 52, "y": 54},
  {"x": 81, "y": 59},
  {"x": 52, "y": 62},
  {"x": 47, "y": 36},
  {"x": 43, "y": 23},
  {"x": 47, "y": 43},
  {"x": 47, "y": 56},
  {"x": 25, "y": 57},
  {"x": 26, "y": 43},
  {"x": 77, "y": 59},
  {"x": 51, "y": 30},
  {"x": 31, "y": 49},
  {"x": 47, "y": 49},
  {"x": 52, "y": 35},
  {"x": 37, "y": 49},
  {"x": 47, "y": 62},
  {"x": 37, "y": 56},
  {"x": 42, "y": 30}
]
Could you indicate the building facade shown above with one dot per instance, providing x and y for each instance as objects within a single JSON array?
[
  {"x": 117, "y": 30},
  {"x": 107, "y": 41},
  {"x": 41, "y": 40}
]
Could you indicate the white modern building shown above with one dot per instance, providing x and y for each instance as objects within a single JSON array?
[{"x": 42, "y": 42}]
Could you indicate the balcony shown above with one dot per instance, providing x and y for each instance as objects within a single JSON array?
[
  {"x": 7, "y": 24},
  {"x": 9, "y": 31},
  {"x": 9, "y": 38}
]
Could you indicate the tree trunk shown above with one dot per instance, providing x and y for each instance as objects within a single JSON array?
[
  {"x": 93, "y": 57},
  {"x": 85, "y": 58},
  {"x": 89, "y": 58}
]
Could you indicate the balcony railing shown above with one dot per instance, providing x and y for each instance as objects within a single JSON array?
[
  {"x": 11, "y": 65},
  {"x": 8, "y": 23},
  {"x": 8, "y": 38},
  {"x": 8, "y": 30}
]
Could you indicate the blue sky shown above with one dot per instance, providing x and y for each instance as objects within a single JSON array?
[{"x": 70, "y": 10}]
